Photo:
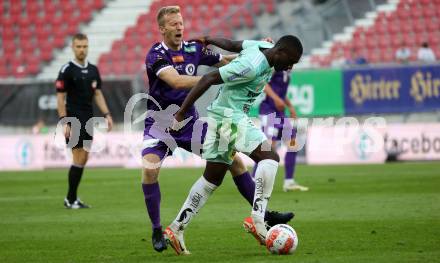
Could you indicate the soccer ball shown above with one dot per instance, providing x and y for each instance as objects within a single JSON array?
[{"x": 281, "y": 239}]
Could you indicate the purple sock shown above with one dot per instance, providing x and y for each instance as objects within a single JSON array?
[
  {"x": 289, "y": 164},
  {"x": 152, "y": 202},
  {"x": 246, "y": 186}
]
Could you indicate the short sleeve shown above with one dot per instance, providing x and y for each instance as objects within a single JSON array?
[
  {"x": 237, "y": 72},
  {"x": 209, "y": 57},
  {"x": 98, "y": 79},
  {"x": 249, "y": 43},
  {"x": 156, "y": 62},
  {"x": 60, "y": 82}
]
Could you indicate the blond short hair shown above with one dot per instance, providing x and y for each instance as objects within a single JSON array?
[{"x": 166, "y": 10}]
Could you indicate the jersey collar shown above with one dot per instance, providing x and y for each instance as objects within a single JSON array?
[
  {"x": 79, "y": 65},
  {"x": 166, "y": 47}
]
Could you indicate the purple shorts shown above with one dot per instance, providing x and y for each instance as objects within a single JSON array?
[
  {"x": 162, "y": 143},
  {"x": 282, "y": 131}
]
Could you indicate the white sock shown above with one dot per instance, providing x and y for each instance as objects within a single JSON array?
[
  {"x": 264, "y": 180},
  {"x": 198, "y": 195},
  {"x": 289, "y": 181}
]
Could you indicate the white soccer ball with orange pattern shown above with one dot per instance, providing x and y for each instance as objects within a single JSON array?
[{"x": 281, "y": 239}]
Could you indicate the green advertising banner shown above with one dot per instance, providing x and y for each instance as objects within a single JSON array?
[
  {"x": 317, "y": 92},
  {"x": 313, "y": 93}
]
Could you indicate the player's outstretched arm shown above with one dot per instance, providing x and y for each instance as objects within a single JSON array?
[
  {"x": 177, "y": 81},
  {"x": 279, "y": 102},
  {"x": 223, "y": 43},
  {"x": 212, "y": 78},
  {"x": 226, "y": 59},
  {"x": 291, "y": 108}
]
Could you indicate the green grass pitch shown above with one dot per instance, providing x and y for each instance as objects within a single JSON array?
[{"x": 371, "y": 213}]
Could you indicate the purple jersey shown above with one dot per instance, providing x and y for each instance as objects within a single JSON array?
[
  {"x": 185, "y": 61},
  {"x": 279, "y": 83}
]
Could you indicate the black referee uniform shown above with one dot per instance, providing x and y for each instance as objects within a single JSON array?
[{"x": 79, "y": 83}]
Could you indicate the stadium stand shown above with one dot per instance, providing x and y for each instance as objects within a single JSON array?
[
  {"x": 32, "y": 30},
  {"x": 126, "y": 54},
  {"x": 381, "y": 33},
  {"x": 35, "y": 43}
]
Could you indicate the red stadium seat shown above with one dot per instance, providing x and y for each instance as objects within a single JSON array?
[
  {"x": 256, "y": 9},
  {"x": 118, "y": 69},
  {"x": 56, "y": 21},
  {"x": 419, "y": 25},
  {"x": 27, "y": 47},
  {"x": 371, "y": 42},
  {"x": 429, "y": 12},
  {"x": 403, "y": 13},
  {"x": 9, "y": 47},
  {"x": 249, "y": 21},
  {"x": 358, "y": 33},
  {"x": 25, "y": 34},
  {"x": 387, "y": 55},
  {"x": 59, "y": 41},
  {"x": 15, "y": 9},
  {"x": 393, "y": 28},
  {"x": 201, "y": 16},
  {"x": 409, "y": 40},
  {"x": 33, "y": 28},
  {"x": 235, "y": 21},
  {"x": 270, "y": 6},
  {"x": 50, "y": 9},
  {"x": 432, "y": 25},
  {"x": 437, "y": 53},
  {"x": 336, "y": 47},
  {"x": 227, "y": 32},
  {"x": 384, "y": 42},
  {"x": 8, "y": 34},
  {"x": 32, "y": 7},
  {"x": 7, "y": 22},
  {"x": 43, "y": 34},
  {"x": 434, "y": 40},
  {"x": 24, "y": 22},
  {"x": 39, "y": 22},
  {"x": 98, "y": 4},
  {"x": 396, "y": 42},
  {"x": 71, "y": 29},
  {"x": 85, "y": 15},
  {"x": 381, "y": 28},
  {"x": 407, "y": 27},
  {"x": 416, "y": 13},
  {"x": 420, "y": 38},
  {"x": 32, "y": 64},
  {"x": 373, "y": 56}
]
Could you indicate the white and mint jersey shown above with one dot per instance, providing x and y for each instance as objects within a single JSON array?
[
  {"x": 232, "y": 130},
  {"x": 244, "y": 78}
]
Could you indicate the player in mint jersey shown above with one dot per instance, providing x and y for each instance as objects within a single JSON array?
[
  {"x": 172, "y": 67},
  {"x": 274, "y": 124},
  {"x": 230, "y": 129}
]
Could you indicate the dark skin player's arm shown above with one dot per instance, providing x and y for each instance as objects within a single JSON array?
[
  {"x": 212, "y": 78},
  {"x": 223, "y": 43}
]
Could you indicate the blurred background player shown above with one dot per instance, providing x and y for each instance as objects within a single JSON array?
[
  {"x": 274, "y": 107},
  {"x": 172, "y": 68},
  {"x": 244, "y": 79},
  {"x": 78, "y": 83}
]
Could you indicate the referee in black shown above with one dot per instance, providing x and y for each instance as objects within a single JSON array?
[{"x": 78, "y": 83}]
